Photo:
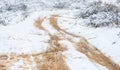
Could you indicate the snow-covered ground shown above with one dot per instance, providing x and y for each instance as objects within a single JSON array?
[{"x": 21, "y": 36}]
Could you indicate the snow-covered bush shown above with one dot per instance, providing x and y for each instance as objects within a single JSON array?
[
  {"x": 96, "y": 7},
  {"x": 2, "y": 22},
  {"x": 100, "y": 14},
  {"x": 110, "y": 8},
  {"x": 12, "y": 13},
  {"x": 61, "y": 5},
  {"x": 90, "y": 9},
  {"x": 17, "y": 7},
  {"x": 103, "y": 19},
  {"x": 11, "y": 17},
  {"x": 118, "y": 1}
]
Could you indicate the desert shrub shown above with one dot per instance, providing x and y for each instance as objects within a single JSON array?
[
  {"x": 89, "y": 10},
  {"x": 118, "y": 1},
  {"x": 1, "y": 10},
  {"x": 9, "y": 17},
  {"x": 103, "y": 19},
  {"x": 61, "y": 5},
  {"x": 17, "y": 7},
  {"x": 96, "y": 7},
  {"x": 100, "y": 14},
  {"x": 108, "y": 16},
  {"x": 2, "y": 22},
  {"x": 110, "y": 8}
]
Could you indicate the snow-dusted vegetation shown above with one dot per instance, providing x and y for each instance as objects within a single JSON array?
[
  {"x": 96, "y": 13},
  {"x": 99, "y": 14},
  {"x": 59, "y": 34}
]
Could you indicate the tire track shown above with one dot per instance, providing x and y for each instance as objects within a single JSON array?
[
  {"x": 84, "y": 47},
  {"x": 53, "y": 58}
]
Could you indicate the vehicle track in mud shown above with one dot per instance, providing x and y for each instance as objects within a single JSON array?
[{"x": 53, "y": 58}]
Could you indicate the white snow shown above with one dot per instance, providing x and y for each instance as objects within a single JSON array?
[{"x": 21, "y": 36}]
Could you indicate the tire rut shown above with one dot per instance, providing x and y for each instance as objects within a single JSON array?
[
  {"x": 53, "y": 58},
  {"x": 84, "y": 47}
]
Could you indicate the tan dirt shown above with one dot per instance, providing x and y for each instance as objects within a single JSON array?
[{"x": 53, "y": 58}]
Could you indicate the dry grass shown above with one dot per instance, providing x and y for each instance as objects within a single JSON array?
[
  {"x": 38, "y": 23},
  {"x": 52, "y": 59},
  {"x": 55, "y": 61},
  {"x": 57, "y": 49},
  {"x": 2, "y": 67},
  {"x": 53, "y": 22},
  {"x": 3, "y": 57}
]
